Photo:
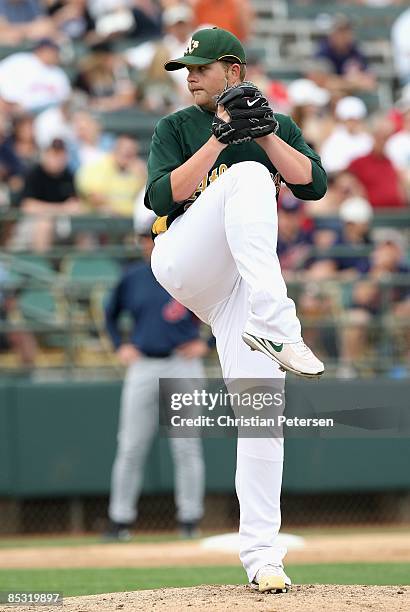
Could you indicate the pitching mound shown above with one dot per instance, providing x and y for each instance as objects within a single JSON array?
[{"x": 304, "y": 598}]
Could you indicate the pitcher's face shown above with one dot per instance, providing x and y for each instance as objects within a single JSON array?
[{"x": 206, "y": 82}]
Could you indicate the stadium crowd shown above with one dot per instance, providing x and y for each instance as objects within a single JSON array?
[{"x": 68, "y": 63}]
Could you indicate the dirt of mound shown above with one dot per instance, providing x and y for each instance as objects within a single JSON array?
[
  {"x": 341, "y": 548},
  {"x": 305, "y": 598}
]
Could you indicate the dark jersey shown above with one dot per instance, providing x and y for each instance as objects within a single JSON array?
[
  {"x": 160, "y": 323},
  {"x": 41, "y": 185},
  {"x": 179, "y": 135},
  {"x": 342, "y": 62}
]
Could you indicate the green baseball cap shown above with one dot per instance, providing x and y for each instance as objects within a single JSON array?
[{"x": 207, "y": 46}]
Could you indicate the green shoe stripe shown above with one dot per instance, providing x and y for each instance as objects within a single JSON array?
[{"x": 276, "y": 347}]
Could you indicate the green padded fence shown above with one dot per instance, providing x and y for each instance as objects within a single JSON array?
[{"x": 58, "y": 439}]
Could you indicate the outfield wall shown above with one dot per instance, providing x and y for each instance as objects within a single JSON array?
[{"x": 58, "y": 439}]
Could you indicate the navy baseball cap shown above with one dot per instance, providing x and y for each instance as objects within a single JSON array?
[
  {"x": 46, "y": 42},
  {"x": 290, "y": 204}
]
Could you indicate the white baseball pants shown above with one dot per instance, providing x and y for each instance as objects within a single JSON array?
[{"x": 219, "y": 260}]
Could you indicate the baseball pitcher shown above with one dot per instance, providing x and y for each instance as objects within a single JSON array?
[{"x": 214, "y": 173}]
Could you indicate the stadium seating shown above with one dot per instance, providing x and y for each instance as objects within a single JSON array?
[
  {"x": 90, "y": 269},
  {"x": 40, "y": 305},
  {"x": 133, "y": 122}
]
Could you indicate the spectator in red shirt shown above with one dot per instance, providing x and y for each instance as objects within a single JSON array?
[
  {"x": 237, "y": 16},
  {"x": 379, "y": 178}
]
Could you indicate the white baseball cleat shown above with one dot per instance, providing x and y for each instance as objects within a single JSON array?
[
  {"x": 271, "y": 578},
  {"x": 294, "y": 357}
]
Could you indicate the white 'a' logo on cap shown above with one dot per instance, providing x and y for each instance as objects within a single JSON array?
[{"x": 193, "y": 44}]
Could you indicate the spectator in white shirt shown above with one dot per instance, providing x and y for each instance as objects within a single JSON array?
[
  {"x": 349, "y": 139},
  {"x": 398, "y": 145},
  {"x": 401, "y": 46},
  {"x": 34, "y": 80}
]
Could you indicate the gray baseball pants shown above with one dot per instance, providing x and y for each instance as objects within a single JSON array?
[{"x": 138, "y": 424}]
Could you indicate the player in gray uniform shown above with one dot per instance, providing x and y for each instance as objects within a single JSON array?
[{"x": 164, "y": 342}]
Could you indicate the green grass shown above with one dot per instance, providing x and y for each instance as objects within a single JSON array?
[
  {"x": 46, "y": 541},
  {"x": 83, "y": 540},
  {"x": 108, "y": 580}
]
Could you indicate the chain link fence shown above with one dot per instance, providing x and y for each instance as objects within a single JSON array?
[{"x": 157, "y": 513}]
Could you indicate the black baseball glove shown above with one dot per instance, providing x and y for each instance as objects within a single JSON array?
[{"x": 250, "y": 115}]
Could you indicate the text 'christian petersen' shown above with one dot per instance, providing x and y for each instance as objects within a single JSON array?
[{"x": 253, "y": 421}]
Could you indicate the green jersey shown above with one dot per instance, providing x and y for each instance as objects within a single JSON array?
[{"x": 179, "y": 135}]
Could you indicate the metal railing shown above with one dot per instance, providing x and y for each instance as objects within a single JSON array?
[
  {"x": 70, "y": 323},
  {"x": 73, "y": 336}
]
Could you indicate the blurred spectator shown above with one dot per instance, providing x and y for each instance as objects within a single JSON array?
[
  {"x": 54, "y": 122},
  {"x": 401, "y": 46},
  {"x": 22, "y": 20},
  {"x": 124, "y": 18},
  {"x": 339, "y": 187},
  {"x": 34, "y": 80},
  {"x": 389, "y": 256},
  {"x": 159, "y": 93},
  {"x": 90, "y": 143},
  {"x": 79, "y": 129},
  {"x": 398, "y": 145},
  {"x": 161, "y": 90},
  {"x": 294, "y": 240},
  {"x": 178, "y": 26},
  {"x": 72, "y": 18},
  {"x": 371, "y": 298},
  {"x": 396, "y": 112},
  {"x": 147, "y": 15},
  {"x": 308, "y": 101},
  {"x": 104, "y": 76},
  {"x": 237, "y": 16},
  {"x": 356, "y": 215},
  {"x": 18, "y": 153},
  {"x": 353, "y": 237},
  {"x": 349, "y": 139},
  {"x": 49, "y": 193},
  {"x": 111, "y": 17},
  {"x": 111, "y": 184},
  {"x": 10, "y": 166},
  {"x": 23, "y": 142},
  {"x": 382, "y": 183},
  {"x": 343, "y": 67},
  {"x": 164, "y": 338}
]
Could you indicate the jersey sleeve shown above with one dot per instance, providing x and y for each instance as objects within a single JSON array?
[
  {"x": 292, "y": 134},
  {"x": 165, "y": 155}
]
